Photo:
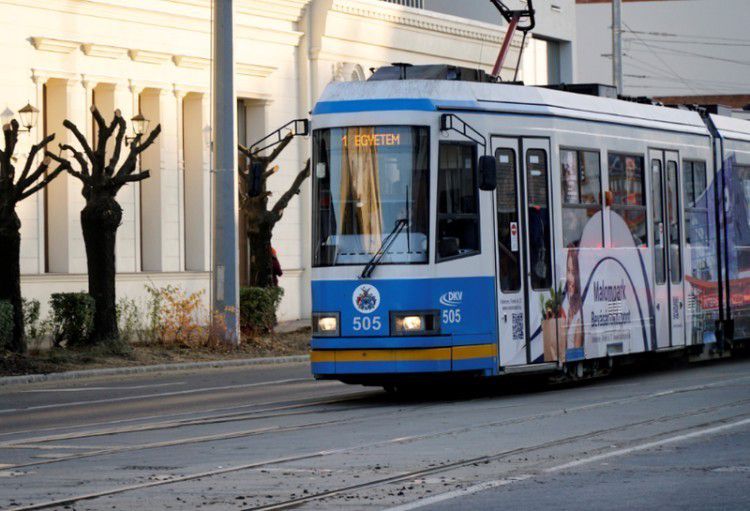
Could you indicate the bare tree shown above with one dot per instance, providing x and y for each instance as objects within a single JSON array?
[
  {"x": 102, "y": 215},
  {"x": 259, "y": 218},
  {"x": 13, "y": 191}
]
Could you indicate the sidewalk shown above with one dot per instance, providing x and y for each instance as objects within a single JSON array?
[
  {"x": 158, "y": 368},
  {"x": 286, "y": 327}
]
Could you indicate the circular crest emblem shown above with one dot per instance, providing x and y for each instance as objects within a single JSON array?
[{"x": 366, "y": 298}]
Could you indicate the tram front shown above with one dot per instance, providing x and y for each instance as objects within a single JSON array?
[{"x": 402, "y": 286}]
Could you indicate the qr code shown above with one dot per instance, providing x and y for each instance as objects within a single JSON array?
[{"x": 517, "y": 322}]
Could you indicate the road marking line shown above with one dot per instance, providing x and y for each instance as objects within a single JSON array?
[
  {"x": 86, "y": 389},
  {"x": 164, "y": 394},
  {"x": 488, "y": 485},
  {"x": 648, "y": 445}
]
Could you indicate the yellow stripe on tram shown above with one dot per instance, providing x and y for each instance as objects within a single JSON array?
[
  {"x": 455, "y": 353},
  {"x": 480, "y": 351}
]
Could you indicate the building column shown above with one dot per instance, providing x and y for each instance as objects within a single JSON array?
[
  {"x": 179, "y": 95},
  {"x": 40, "y": 197},
  {"x": 66, "y": 99},
  {"x": 135, "y": 107},
  {"x": 197, "y": 182},
  {"x": 160, "y": 193}
]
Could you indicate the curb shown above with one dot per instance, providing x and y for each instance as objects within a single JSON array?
[{"x": 118, "y": 371}]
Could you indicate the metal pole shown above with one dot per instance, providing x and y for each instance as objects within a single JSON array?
[
  {"x": 617, "y": 45},
  {"x": 225, "y": 271}
]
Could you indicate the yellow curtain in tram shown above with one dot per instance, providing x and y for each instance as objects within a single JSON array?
[{"x": 360, "y": 187}]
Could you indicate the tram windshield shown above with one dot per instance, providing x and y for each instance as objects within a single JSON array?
[{"x": 365, "y": 181}]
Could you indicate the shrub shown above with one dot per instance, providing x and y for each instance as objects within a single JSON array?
[
  {"x": 175, "y": 316},
  {"x": 6, "y": 324},
  {"x": 258, "y": 308},
  {"x": 31, "y": 319},
  {"x": 72, "y": 318},
  {"x": 129, "y": 319}
]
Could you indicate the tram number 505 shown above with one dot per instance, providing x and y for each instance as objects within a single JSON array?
[
  {"x": 366, "y": 323},
  {"x": 451, "y": 315}
]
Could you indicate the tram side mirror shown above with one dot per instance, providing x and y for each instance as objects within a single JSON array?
[
  {"x": 487, "y": 173},
  {"x": 256, "y": 179}
]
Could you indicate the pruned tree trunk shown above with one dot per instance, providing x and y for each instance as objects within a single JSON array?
[
  {"x": 100, "y": 219},
  {"x": 260, "y": 219},
  {"x": 10, "y": 277},
  {"x": 261, "y": 266},
  {"x": 12, "y": 191},
  {"x": 102, "y": 215}
]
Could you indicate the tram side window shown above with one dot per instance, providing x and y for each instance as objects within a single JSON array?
[
  {"x": 540, "y": 250},
  {"x": 675, "y": 245},
  {"x": 696, "y": 203},
  {"x": 627, "y": 184},
  {"x": 581, "y": 193},
  {"x": 508, "y": 227},
  {"x": 658, "y": 206},
  {"x": 458, "y": 201}
]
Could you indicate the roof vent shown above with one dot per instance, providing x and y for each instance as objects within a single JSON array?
[{"x": 403, "y": 71}]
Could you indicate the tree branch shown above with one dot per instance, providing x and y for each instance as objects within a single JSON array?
[
  {"x": 32, "y": 155},
  {"x": 278, "y": 209},
  {"x": 137, "y": 148},
  {"x": 28, "y": 181},
  {"x": 79, "y": 158},
  {"x": 81, "y": 139},
  {"x": 131, "y": 178},
  {"x": 86, "y": 179},
  {"x": 277, "y": 150},
  {"x": 122, "y": 127},
  {"x": 47, "y": 180}
]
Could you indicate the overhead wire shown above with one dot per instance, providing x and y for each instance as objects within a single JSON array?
[{"x": 664, "y": 62}]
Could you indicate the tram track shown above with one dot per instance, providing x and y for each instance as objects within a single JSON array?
[
  {"x": 447, "y": 467},
  {"x": 441, "y": 467},
  {"x": 286, "y": 429}
]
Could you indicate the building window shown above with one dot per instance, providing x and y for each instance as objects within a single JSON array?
[
  {"x": 581, "y": 193},
  {"x": 458, "y": 201},
  {"x": 626, "y": 181},
  {"x": 417, "y": 4}
]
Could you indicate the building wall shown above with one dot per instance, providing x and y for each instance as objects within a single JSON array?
[
  {"x": 670, "y": 47},
  {"x": 152, "y": 56}
]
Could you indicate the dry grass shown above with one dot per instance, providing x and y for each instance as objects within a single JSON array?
[{"x": 66, "y": 359}]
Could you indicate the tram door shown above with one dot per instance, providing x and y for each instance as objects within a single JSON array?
[
  {"x": 525, "y": 249},
  {"x": 669, "y": 293}
]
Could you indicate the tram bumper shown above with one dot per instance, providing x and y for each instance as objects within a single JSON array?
[{"x": 340, "y": 362}]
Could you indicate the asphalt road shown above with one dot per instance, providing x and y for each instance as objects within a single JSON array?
[{"x": 272, "y": 438}]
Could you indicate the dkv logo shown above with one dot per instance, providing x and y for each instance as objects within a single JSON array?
[
  {"x": 366, "y": 298},
  {"x": 452, "y": 298}
]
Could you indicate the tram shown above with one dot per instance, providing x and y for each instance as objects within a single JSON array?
[{"x": 462, "y": 227}]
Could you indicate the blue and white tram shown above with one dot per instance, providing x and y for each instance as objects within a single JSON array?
[{"x": 478, "y": 228}]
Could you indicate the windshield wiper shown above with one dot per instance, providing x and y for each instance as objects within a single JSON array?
[{"x": 387, "y": 242}]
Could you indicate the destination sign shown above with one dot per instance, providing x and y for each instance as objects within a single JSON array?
[{"x": 372, "y": 139}]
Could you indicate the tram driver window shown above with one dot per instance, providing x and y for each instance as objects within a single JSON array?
[
  {"x": 458, "y": 201},
  {"x": 580, "y": 172},
  {"x": 626, "y": 182}
]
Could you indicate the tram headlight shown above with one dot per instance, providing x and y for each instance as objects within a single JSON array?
[
  {"x": 415, "y": 323},
  {"x": 412, "y": 323},
  {"x": 325, "y": 324}
]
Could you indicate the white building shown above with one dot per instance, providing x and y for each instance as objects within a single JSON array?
[
  {"x": 692, "y": 51},
  {"x": 152, "y": 56}
]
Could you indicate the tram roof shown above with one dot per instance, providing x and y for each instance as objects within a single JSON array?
[{"x": 437, "y": 95}]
